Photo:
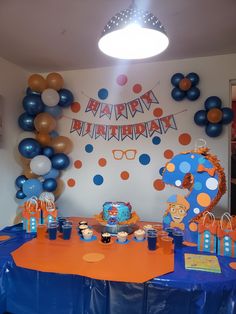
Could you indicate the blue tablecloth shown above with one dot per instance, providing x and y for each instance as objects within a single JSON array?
[{"x": 24, "y": 291}]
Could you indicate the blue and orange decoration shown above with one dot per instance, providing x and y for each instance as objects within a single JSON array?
[
  {"x": 214, "y": 116},
  {"x": 185, "y": 86}
]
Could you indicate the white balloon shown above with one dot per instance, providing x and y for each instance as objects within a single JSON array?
[
  {"x": 40, "y": 164},
  {"x": 50, "y": 97},
  {"x": 24, "y": 135},
  {"x": 47, "y": 196}
]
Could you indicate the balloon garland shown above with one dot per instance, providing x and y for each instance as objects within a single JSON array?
[
  {"x": 43, "y": 153},
  {"x": 185, "y": 86},
  {"x": 213, "y": 117}
]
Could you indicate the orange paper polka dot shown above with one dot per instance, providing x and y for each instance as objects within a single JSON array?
[
  {"x": 4, "y": 237},
  {"x": 75, "y": 107},
  {"x": 159, "y": 185},
  {"x": 233, "y": 265},
  {"x": 193, "y": 226},
  {"x": 78, "y": 164},
  {"x": 124, "y": 175},
  {"x": 203, "y": 199},
  {"x": 71, "y": 182},
  {"x": 185, "y": 139},
  {"x": 102, "y": 162},
  {"x": 170, "y": 167},
  {"x": 168, "y": 154},
  {"x": 157, "y": 112}
]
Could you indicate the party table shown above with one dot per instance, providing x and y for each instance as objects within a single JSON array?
[{"x": 28, "y": 291}]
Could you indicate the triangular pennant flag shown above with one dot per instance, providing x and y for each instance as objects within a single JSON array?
[
  {"x": 168, "y": 122},
  {"x": 135, "y": 106},
  {"x": 154, "y": 127},
  {"x": 140, "y": 129},
  {"x": 149, "y": 98},
  {"x": 100, "y": 130},
  {"x": 105, "y": 110},
  {"x": 93, "y": 106},
  {"x": 121, "y": 111},
  {"x": 126, "y": 131},
  {"x": 88, "y": 129},
  {"x": 113, "y": 131},
  {"x": 76, "y": 126}
]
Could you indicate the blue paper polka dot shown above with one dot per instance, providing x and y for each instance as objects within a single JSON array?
[
  {"x": 156, "y": 140},
  {"x": 201, "y": 160},
  {"x": 103, "y": 93},
  {"x": 98, "y": 179},
  {"x": 184, "y": 167},
  {"x": 89, "y": 148},
  {"x": 161, "y": 170},
  {"x": 197, "y": 186},
  {"x": 144, "y": 159}
]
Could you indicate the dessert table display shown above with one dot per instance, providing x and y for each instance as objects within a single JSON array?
[{"x": 40, "y": 288}]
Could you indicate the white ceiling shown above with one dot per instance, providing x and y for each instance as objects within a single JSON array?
[{"x": 46, "y": 35}]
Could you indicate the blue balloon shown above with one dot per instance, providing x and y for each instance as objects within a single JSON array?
[
  {"x": 177, "y": 94},
  {"x": 32, "y": 187},
  {"x": 52, "y": 174},
  {"x": 176, "y": 78},
  {"x": 33, "y": 104},
  {"x": 200, "y": 117},
  {"x": 66, "y": 98},
  {"x": 193, "y": 77},
  {"x": 193, "y": 93},
  {"x": 50, "y": 185},
  {"x": 55, "y": 111},
  {"x": 214, "y": 129},
  {"x": 26, "y": 122},
  {"x": 54, "y": 134},
  {"x": 228, "y": 115},
  {"x": 212, "y": 102},
  {"x": 60, "y": 161},
  {"x": 20, "y": 195},
  {"x": 48, "y": 151},
  {"x": 29, "y": 92},
  {"x": 20, "y": 181},
  {"x": 29, "y": 148}
]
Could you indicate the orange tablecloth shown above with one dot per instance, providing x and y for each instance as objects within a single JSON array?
[{"x": 131, "y": 262}]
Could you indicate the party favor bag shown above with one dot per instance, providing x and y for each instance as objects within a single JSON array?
[
  {"x": 31, "y": 214},
  {"x": 48, "y": 211},
  {"x": 226, "y": 234},
  {"x": 207, "y": 233}
]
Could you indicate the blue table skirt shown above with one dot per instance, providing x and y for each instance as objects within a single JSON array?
[{"x": 24, "y": 291}]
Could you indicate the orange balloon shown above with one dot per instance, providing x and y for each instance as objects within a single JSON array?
[
  {"x": 44, "y": 139},
  {"x": 25, "y": 162},
  {"x": 214, "y": 115},
  {"x": 185, "y": 84},
  {"x": 37, "y": 83},
  {"x": 60, "y": 188},
  {"x": 44, "y": 122},
  {"x": 29, "y": 173},
  {"x": 62, "y": 144},
  {"x": 55, "y": 81}
]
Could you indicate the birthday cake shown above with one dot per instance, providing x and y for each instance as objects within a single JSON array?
[{"x": 117, "y": 213}]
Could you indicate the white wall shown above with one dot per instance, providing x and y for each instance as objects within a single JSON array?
[
  {"x": 87, "y": 198},
  {"x": 13, "y": 80}
]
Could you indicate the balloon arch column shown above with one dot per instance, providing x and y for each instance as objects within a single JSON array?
[{"x": 43, "y": 152}]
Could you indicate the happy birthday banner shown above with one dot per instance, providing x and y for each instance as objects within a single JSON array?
[
  {"x": 120, "y": 132},
  {"x": 121, "y": 110}
]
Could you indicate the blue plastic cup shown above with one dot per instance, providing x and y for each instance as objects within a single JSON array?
[
  {"x": 178, "y": 237},
  {"x": 152, "y": 240},
  {"x": 66, "y": 230},
  {"x": 60, "y": 223},
  {"x": 52, "y": 231},
  {"x": 170, "y": 231}
]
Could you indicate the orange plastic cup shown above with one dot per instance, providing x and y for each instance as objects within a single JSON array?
[
  {"x": 161, "y": 234},
  {"x": 167, "y": 245},
  {"x": 158, "y": 226},
  {"x": 41, "y": 231}
]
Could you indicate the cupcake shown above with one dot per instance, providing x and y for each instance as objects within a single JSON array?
[
  {"x": 122, "y": 236},
  {"x": 147, "y": 227},
  {"x": 106, "y": 237},
  {"x": 139, "y": 234},
  {"x": 83, "y": 222},
  {"x": 87, "y": 234},
  {"x": 81, "y": 228}
]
